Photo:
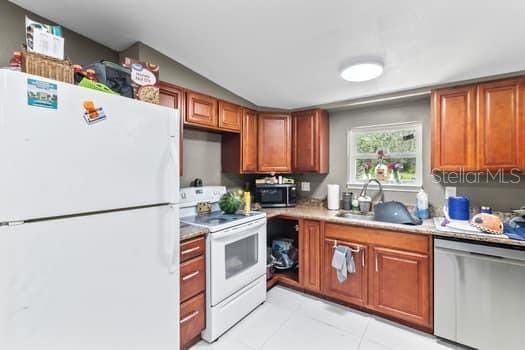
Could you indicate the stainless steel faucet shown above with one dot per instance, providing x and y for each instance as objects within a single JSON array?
[{"x": 365, "y": 202}]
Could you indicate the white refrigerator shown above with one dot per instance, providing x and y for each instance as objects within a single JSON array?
[{"x": 89, "y": 223}]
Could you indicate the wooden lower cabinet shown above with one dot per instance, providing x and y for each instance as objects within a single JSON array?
[
  {"x": 401, "y": 285},
  {"x": 393, "y": 275},
  {"x": 310, "y": 255},
  {"x": 192, "y": 320},
  {"x": 192, "y": 291},
  {"x": 355, "y": 289}
]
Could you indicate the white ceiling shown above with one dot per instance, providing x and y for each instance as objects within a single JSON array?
[{"x": 288, "y": 53}]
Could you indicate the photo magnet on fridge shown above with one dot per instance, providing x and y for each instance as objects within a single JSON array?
[{"x": 42, "y": 94}]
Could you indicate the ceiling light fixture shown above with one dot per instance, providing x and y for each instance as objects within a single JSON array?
[{"x": 363, "y": 71}]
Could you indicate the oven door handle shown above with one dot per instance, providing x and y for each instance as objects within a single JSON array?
[{"x": 237, "y": 232}]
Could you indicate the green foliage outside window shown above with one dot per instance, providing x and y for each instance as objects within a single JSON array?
[{"x": 387, "y": 155}]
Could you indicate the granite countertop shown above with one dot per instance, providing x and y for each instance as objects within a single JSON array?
[
  {"x": 189, "y": 232},
  {"x": 428, "y": 227}
]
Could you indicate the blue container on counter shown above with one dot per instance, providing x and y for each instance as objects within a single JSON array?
[{"x": 459, "y": 208}]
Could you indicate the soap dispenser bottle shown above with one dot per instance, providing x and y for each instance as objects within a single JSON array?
[{"x": 422, "y": 211}]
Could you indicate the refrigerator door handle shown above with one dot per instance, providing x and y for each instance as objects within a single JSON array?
[
  {"x": 174, "y": 152},
  {"x": 172, "y": 244}
]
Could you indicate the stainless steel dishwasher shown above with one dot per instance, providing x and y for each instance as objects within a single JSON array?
[{"x": 479, "y": 295}]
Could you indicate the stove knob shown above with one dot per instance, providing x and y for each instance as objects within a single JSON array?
[{"x": 183, "y": 195}]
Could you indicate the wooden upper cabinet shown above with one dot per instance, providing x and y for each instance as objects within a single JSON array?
[
  {"x": 230, "y": 116},
  {"x": 239, "y": 151},
  {"x": 355, "y": 289},
  {"x": 201, "y": 110},
  {"x": 310, "y": 255},
  {"x": 501, "y": 125},
  {"x": 310, "y": 141},
  {"x": 249, "y": 141},
  {"x": 401, "y": 285},
  {"x": 479, "y": 127},
  {"x": 274, "y": 143},
  {"x": 454, "y": 129},
  {"x": 172, "y": 96}
]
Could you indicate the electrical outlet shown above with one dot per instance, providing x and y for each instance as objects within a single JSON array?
[
  {"x": 450, "y": 191},
  {"x": 305, "y": 186}
]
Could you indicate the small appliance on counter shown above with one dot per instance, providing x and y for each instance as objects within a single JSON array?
[{"x": 276, "y": 195}]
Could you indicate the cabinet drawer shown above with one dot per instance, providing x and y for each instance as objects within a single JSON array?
[
  {"x": 192, "y": 277},
  {"x": 192, "y": 248},
  {"x": 192, "y": 320},
  {"x": 369, "y": 236}
]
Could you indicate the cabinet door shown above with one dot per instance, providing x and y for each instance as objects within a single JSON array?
[
  {"x": 201, "y": 110},
  {"x": 249, "y": 142},
  {"x": 275, "y": 143},
  {"x": 500, "y": 124},
  {"x": 305, "y": 152},
  {"x": 230, "y": 116},
  {"x": 310, "y": 255},
  {"x": 310, "y": 141},
  {"x": 355, "y": 289},
  {"x": 401, "y": 285},
  {"x": 454, "y": 129},
  {"x": 172, "y": 96}
]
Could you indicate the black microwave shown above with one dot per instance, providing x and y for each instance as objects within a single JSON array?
[{"x": 276, "y": 196}]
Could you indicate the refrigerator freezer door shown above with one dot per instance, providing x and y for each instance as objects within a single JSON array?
[
  {"x": 55, "y": 163},
  {"x": 97, "y": 282}
]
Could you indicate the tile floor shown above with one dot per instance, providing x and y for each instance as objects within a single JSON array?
[{"x": 291, "y": 320}]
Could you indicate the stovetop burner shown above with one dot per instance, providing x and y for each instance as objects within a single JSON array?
[{"x": 218, "y": 218}]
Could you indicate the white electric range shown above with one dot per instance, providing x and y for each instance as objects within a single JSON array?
[{"x": 235, "y": 258}]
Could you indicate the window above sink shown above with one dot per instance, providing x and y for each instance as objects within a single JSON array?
[{"x": 390, "y": 153}]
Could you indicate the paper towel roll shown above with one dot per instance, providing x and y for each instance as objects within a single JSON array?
[{"x": 333, "y": 197}]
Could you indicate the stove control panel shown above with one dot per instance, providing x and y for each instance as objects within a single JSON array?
[{"x": 192, "y": 195}]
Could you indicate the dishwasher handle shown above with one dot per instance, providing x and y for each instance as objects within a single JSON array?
[
  {"x": 496, "y": 252},
  {"x": 483, "y": 256}
]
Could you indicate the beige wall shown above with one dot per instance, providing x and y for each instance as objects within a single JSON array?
[
  {"x": 178, "y": 74},
  {"x": 499, "y": 196},
  {"x": 78, "y": 48},
  {"x": 202, "y": 150}
]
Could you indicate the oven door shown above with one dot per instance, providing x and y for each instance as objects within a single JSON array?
[{"x": 237, "y": 258}]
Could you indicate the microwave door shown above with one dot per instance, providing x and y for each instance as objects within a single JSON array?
[{"x": 274, "y": 197}]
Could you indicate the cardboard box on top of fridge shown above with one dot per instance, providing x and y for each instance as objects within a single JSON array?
[
  {"x": 144, "y": 79},
  {"x": 44, "y": 39}
]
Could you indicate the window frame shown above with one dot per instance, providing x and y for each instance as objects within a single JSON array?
[{"x": 352, "y": 155}]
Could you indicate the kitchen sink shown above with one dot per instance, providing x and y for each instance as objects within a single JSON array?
[{"x": 355, "y": 215}]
